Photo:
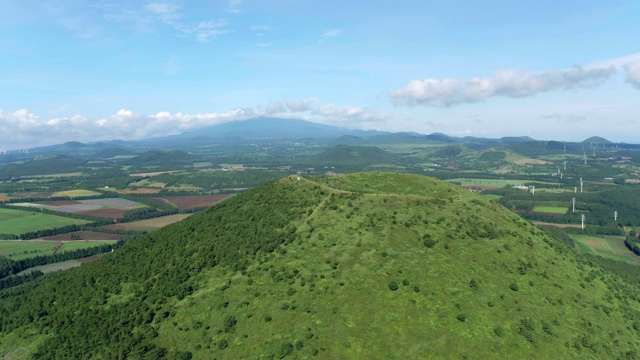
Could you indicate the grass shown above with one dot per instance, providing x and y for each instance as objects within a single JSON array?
[
  {"x": 18, "y": 221},
  {"x": 149, "y": 224},
  {"x": 17, "y": 250},
  {"x": 75, "y": 193},
  {"x": 551, "y": 209},
  {"x": 611, "y": 247}
]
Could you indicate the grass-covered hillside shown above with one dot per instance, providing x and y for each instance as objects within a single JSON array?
[{"x": 370, "y": 265}]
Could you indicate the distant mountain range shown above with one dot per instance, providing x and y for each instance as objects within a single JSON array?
[{"x": 267, "y": 129}]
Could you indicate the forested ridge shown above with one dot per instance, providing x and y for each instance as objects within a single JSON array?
[{"x": 366, "y": 265}]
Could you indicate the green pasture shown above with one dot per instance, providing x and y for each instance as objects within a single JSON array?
[
  {"x": 75, "y": 193},
  {"x": 551, "y": 209},
  {"x": 18, "y": 221},
  {"x": 611, "y": 247}
]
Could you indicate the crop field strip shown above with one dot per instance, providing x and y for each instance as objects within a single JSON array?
[
  {"x": 148, "y": 224},
  {"x": 13, "y": 221},
  {"x": 557, "y": 210},
  {"x": 611, "y": 247}
]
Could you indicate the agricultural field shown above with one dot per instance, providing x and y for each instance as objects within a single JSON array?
[
  {"x": 63, "y": 265},
  {"x": 552, "y": 210},
  {"x": 24, "y": 249},
  {"x": 84, "y": 235},
  {"x": 190, "y": 202},
  {"x": 75, "y": 193},
  {"x": 109, "y": 208},
  {"x": 44, "y": 176},
  {"x": 495, "y": 183},
  {"x": 141, "y": 191},
  {"x": 17, "y": 222},
  {"x": 611, "y": 247},
  {"x": 148, "y": 224}
]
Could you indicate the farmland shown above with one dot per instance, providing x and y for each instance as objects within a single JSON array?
[
  {"x": 191, "y": 202},
  {"x": 75, "y": 193},
  {"x": 148, "y": 224},
  {"x": 611, "y": 247},
  {"x": 109, "y": 208},
  {"x": 498, "y": 183},
  {"x": 18, "y": 221},
  {"x": 557, "y": 210}
]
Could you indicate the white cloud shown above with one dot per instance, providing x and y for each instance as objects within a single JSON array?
[
  {"x": 617, "y": 62},
  {"x": 234, "y": 6},
  {"x": 570, "y": 118},
  {"x": 633, "y": 73},
  {"x": 24, "y": 129},
  {"x": 205, "y": 30},
  {"x": 329, "y": 34},
  {"x": 510, "y": 83},
  {"x": 167, "y": 11},
  {"x": 265, "y": 44}
]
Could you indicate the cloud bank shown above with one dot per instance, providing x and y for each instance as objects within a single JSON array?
[
  {"x": 23, "y": 129},
  {"x": 633, "y": 73},
  {"x": 509, "y": 83}
]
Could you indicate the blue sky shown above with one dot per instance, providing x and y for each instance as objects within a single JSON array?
[{"x": 97, "y": 70}]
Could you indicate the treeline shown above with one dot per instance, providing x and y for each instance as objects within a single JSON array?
[
  {"x": 632, "y": 242},
  {"x": 145, "y": 213},
  {"x": 13, "y": 267},
  {"x": 12, "y": 281}
]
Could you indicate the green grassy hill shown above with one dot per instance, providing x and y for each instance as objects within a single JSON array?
[{"x": 369, "y": 265}]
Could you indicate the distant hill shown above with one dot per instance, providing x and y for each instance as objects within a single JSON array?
[
  {"x": 162, "y": 158},
  {"x": 45, "y": 165},
  {"x": 273, "y": 128},
  {"x": 354, "y": 155},
  {"x": 514, "y": 139},
  {"x": 444, "y": 152},
  {"x": 596, "y": 140},
  {"x": 347, "y": 140},
  {"x": 113, "y": 151},
  {"x": 439, "y": 137},
  {"x": 396, "y": 138},
  {"x": 535, "y": 148},
  {"x": 365, "y": 266}
]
